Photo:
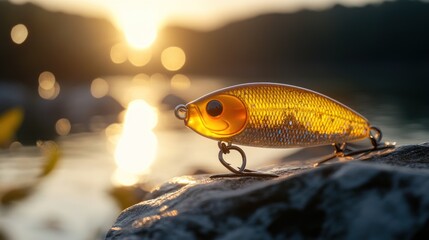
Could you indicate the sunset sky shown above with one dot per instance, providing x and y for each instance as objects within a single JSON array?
[
  {"x": 140, "y": 20},
  {"x": 203, "y": 14}
]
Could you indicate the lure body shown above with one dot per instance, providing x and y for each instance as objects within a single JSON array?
[{"x": 274, "y": 115}]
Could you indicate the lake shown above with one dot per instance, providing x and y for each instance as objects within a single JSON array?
[{"x": 148, "y": 145}]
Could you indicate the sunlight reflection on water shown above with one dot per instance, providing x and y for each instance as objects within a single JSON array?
[{"x": 137, "y": 145}]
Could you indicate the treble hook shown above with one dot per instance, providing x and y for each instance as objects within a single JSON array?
[
  {"x": 375, "y": 137},
  {"x": 242, "y": 171}
]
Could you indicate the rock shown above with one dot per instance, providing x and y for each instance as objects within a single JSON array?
[
  {"x": 384, "y": 197},
  {"x": 412, "y": 156}
]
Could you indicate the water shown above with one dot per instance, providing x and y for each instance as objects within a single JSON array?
[
  {"x": 71, "y": 203},
  {"x": 74, "y": 201}
]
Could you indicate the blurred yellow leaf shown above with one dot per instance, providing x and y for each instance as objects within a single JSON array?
[
  {"x": 10, "y": 121},
  {"x": 52, "y": 153},
  {"x": 13, "y": 194}
]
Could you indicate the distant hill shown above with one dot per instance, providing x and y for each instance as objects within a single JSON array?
[
  {"x": 389, "y": 39},
  {"x": 73, "y": 47}
]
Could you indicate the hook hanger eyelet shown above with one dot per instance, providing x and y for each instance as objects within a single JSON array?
[{"x": 181, "y": 111}]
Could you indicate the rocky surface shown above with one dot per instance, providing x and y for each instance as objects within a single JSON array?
[{"x": 383, "y": 197}]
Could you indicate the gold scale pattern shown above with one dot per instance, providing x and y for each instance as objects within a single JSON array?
[{"x": 286, "y": 116}]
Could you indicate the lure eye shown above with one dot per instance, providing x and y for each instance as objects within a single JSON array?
[{"x": 214, "y": 108}]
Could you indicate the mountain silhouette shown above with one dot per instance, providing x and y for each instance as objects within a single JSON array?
[{"x": 388, "y": 39}]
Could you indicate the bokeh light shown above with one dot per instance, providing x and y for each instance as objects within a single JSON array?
[
  {"x": 99, "y": 88},
  {"x": 63, "y": 127},
  {"x": 157, "y": 78},
  {"x": 97, "y": 123},
  {"x": 49, "y": 88},
  {"x": 119, "y": 53},
  {"x": 112, "y": 132},
  {"x": 137, "y": 146},
  {"x": 16, "y": 145},
  {"x": 141, "y": 78},
  {"x": 173, "y": 58},
  {"x": 49, "y": 94},
  {"x": 19, "y": 33},
  {"x": 139, "y": 57},
  {"x": 46, "y": 80},
  {"x": 180, "y": 82}
]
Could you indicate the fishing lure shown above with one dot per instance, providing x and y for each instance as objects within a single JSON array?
[{"x": 275, "y": 116}]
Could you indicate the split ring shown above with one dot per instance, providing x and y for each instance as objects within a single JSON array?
[{"x": 224, "y": 149}]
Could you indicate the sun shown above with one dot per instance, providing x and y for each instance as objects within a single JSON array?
[
  {"x": 140, "y": 32},
  {"x": 139, "y": 21}
]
